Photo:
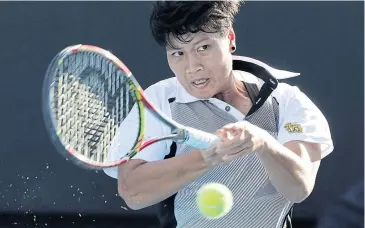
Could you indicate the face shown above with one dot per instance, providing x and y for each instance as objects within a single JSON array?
[{"x": 203, "y": 66}]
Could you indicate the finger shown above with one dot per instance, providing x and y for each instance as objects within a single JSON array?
[
  {"x": 230, "y": 135},
  {"x": 234, "y": 146},
  {"x": 229, "y": 126},
  {"x": 220, "y": 133},
  {"x": 244, "y": 142},
  {"x": 235, "y": 126},
  {"x": 225, "y": 135},
  {"x": 233, "y": 132},
  {"x": 226, "y": 144},
  {"x": 244, "y": 138}
]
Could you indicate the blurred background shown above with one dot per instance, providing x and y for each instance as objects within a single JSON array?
[{"x": 324, "y": 41}]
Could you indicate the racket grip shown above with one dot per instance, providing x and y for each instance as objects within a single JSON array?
[{"x": 200, "y": 139}]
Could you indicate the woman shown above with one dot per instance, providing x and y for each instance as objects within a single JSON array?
[{"x": 269, "y": 155}]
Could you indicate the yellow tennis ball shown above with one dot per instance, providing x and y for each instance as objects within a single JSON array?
[{"x": 214, "y": 200}]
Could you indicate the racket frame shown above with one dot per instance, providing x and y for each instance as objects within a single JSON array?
[{"x": 179, "y": 133}]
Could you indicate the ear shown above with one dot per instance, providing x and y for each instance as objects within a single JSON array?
[
  {"x": 232, "y": 40},
  {"x": 231, "y": 35}
]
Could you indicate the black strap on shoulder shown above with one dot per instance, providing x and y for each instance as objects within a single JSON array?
[
  {"x": 253, "y": 93},
  {"x": 270, "y": 82}
]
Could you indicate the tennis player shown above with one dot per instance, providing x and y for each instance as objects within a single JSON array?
[{"x": 268, "y": 159}]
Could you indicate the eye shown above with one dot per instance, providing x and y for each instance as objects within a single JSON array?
[
  {"x": 177, "y": 53},
  {"x": 203, "y": 48}
]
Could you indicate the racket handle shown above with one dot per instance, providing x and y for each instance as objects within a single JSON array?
[{"x": 199, "y": 139}]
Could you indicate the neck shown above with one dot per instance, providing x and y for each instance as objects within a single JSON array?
[
  {"x": 236, "y": 95},
  {"x": 234, "y": 91}
]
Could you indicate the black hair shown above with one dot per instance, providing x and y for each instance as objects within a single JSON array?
[{"x": 174, "y": 19}]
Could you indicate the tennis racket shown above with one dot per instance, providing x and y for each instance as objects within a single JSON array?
[{"x": 87, "y": 93}]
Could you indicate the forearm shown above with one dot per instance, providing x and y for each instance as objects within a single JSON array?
[
  {"x": 290, "y": 173},
  {"x": 151, "y": 182}
]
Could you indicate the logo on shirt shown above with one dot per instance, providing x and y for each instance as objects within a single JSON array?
[{"x": 293, "y": 128}]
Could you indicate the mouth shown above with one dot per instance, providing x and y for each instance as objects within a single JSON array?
[{"x": 200, "y": 83}]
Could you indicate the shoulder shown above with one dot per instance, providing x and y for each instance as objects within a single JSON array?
[
  {"x": 289, "y": 96},
  {"x": 301, "y": 119},
  {"x": 162, "y": 90},
  {"x": 292, "y": 100},
  {"x": 284, "y": 91}
]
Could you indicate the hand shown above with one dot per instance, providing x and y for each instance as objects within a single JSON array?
[{"x": 237, "y": 140}]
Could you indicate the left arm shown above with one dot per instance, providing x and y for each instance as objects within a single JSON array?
[
  {"x": 292, "y": 167},
  {"x": 292, "y": 160}
]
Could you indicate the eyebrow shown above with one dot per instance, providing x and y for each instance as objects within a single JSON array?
[
  {"x": 168, "y": 48},
  {"x": 200, "y": 40}
]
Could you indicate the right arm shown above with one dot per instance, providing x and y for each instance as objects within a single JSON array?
[
  {"x": 148, "y": 178},
  {"x": 142, "y": 184}
]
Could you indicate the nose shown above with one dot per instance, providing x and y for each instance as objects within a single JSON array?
[{"x": 194, "y": 65}]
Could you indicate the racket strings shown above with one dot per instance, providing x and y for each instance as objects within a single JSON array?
[{"x": 91, "y": 99}]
